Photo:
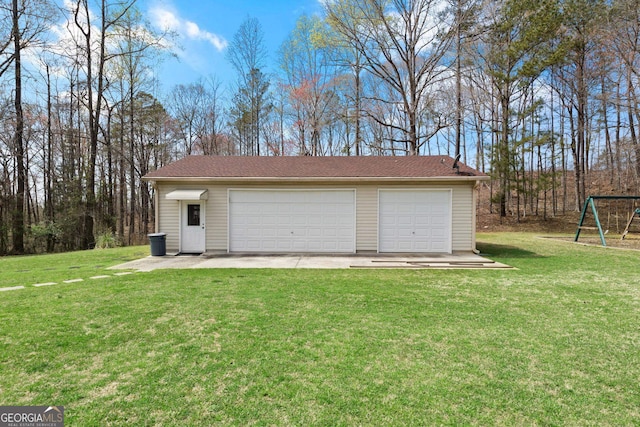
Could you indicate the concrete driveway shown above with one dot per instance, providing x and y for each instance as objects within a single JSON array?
[{"x": 466, "y": 260}]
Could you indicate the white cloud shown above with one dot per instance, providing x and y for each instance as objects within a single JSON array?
[
  {"x": 169, "y": 20},
  {"x": 165, "y": 19},
  {"x": 193, "y": 30}
]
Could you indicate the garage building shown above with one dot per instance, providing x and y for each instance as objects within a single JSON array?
[{"x": 418, "y": 204}]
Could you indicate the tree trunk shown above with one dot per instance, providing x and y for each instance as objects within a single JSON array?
[
  {"x": 18, "y": 213},
  {"x": 458, "y": 78},
  {"x": 503, "y": 155},
  {"x": 632, "y": 125},
  {"x": 48, "y": 197},
  {"x": 132, "y": 162},
  {"x": 581, "y": 155},
  {"x": 358, "y": 108}
]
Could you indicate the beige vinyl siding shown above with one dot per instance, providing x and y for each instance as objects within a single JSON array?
[
  {"x": 463, "y": 228},
  {"x": 217, "y": 218},
  {"x": 169, "y": 218},
  {"x": 463, "y": 222},
  {"x": 367, "y": 218}
]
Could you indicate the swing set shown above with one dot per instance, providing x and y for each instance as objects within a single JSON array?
[{"x": 590, "y": 202}]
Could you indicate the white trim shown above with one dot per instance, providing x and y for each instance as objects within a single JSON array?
[{"x": 187, "y": 195}]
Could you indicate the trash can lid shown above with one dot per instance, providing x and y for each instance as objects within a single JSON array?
[{"x": 157, "y": 234}]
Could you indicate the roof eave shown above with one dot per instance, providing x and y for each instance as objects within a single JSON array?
[{"x": 460, "y": 178}]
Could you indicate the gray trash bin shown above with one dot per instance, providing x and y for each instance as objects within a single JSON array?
[{"x": 158, "y": 243}]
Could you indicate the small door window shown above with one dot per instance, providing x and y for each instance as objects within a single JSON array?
[{"x": 193, "y": 215}]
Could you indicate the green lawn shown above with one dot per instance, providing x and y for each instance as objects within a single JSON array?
[{"x": 555, "y": 342}]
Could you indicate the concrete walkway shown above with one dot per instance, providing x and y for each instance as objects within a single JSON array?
[{"x": 454, "y": 261}]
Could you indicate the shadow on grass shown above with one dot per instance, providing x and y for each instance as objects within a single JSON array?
[{"x": 495, "y": 250}]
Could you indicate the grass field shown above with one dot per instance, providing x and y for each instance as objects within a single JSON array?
[{"x": 555, "y": 342}]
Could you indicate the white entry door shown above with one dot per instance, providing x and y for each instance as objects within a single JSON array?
[
  {"x": 292, "y": 221},
  {"x": 415, "y": 221},
  {"x": 192, "y": 227}
]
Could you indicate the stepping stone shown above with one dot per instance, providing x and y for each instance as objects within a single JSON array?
[
  {"x": 99, "y": 277},
  {"x": 124, "y": 273},
  {"x": 15, "y": 288},
  {"x": 73, "y": 281},
  {"x": 45, "y": 284}
]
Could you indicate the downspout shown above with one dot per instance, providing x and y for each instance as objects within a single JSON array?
[{"x": 156, "y": 207}]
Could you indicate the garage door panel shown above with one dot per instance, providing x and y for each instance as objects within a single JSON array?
[
  {"x": 404, "y": 233},
  {"x": 253, "y": 233},
  {"x": 414, "y": 221},
  {"x": 329, "y": 221},
  {"x": 298, "y": 221},
  {"x": 282, "y": 233},
  {"x": 346, "y": 223},
  {"x": 299, "y": 232},
  {"x": 343, "y": 247},
  {"x": 440, "y": 234},
  {"x": 269, "y": 221},
  {"x": 439, "y": 221},
  {"x": 331, "y": 247},
  {"x": 421, "y": 246},
  {"x": 252, "y": 245},
  {"x": 298, "y": 209},
  {"x": 330, "y": 233},
  {"x": 315, "y": 220},
  {"x": 314, "y": 246},
  {"x": 266, "y": 209},
  {"x": 422, "y": 234},
  {"x": 300, "y": 246},
  {"x": 283, "y": 220},
  {"x": 404, "y": 220},
  {"x": 269, "y": 245},
  {"x": 330, "y": 209},
  {"x": 283, "y": 208},
  {"x": 439, "y": 247},
  {"x": 268, "y": 233},
  {"x": 251, "y": 221},
  {"x": 314, "y": 233},
  {"x": 423, "y": 221}
]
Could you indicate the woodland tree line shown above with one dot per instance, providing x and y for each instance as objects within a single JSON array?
[{"x": 540, "y": 94}]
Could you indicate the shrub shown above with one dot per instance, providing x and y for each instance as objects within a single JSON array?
[{"x": 107, "y": 240}]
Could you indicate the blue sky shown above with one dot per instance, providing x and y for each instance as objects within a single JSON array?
[{"x": 206, "y": 28}]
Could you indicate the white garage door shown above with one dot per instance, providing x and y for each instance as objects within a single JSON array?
[
  {"x": 292, "y": 221},
  {"x": 415, "y": 221}
]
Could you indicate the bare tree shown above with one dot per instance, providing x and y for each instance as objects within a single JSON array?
[
  {"x": 110, "y": 15},
  {"x": 581, "y": 21},
  {"x": 625, "y": 38},
  {"x": 344, "y": 15},
  {"x": 308, "y": 61},
  {"x": 211, "y": 141},
  {"x": 247, "y": 54},
  {"x": 29, "y": 20},
  {"x": 188, "y": 106},
  {"x": 402, "y": 43},
  {"x": 18, "y": 147}
]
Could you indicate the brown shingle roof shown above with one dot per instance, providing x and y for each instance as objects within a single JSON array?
[{"x": 307, "y": 167}]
